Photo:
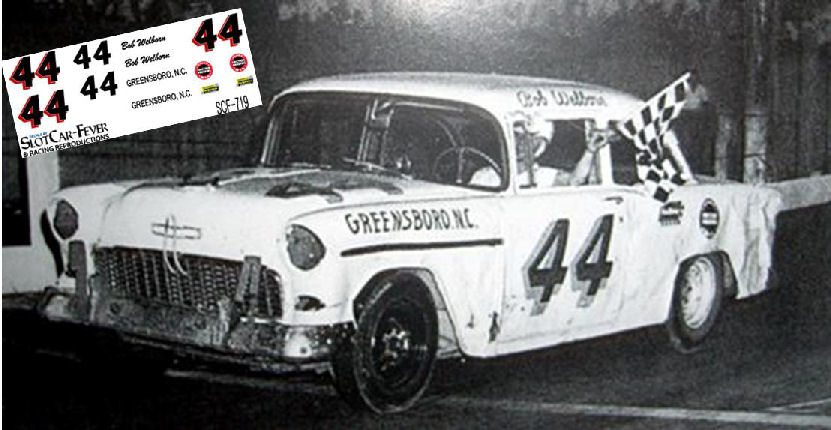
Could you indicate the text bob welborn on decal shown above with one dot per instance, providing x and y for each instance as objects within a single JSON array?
[{"x": 99, "y": 90}]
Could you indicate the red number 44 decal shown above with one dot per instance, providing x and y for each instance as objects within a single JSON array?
[
  {"x": 47, "y": 69},
  {"x": 230, "y": 31},
  {"x": 545, "y": 269},
  {"x": 56, "y": 107}
]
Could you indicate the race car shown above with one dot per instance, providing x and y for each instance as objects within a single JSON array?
[{"x": 395, "y": 219}]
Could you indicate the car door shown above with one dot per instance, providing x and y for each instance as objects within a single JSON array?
[
  {"x": 562, "y": 262},
  {"x": 659, "y": 235},
  {"x": 563, "y": 272}
]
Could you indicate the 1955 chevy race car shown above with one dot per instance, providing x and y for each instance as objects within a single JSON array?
[{"x": 398, "y": 218}]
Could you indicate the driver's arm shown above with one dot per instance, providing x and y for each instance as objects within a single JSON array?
[{"x": 580, "y": 174}]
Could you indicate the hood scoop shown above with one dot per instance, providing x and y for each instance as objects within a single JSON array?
[
  {"x": 283, "y": 183},
  {"x": 298, "y": 189},
  {"x": 190, "y": 180},
  {"x": 329, "y": 189}
]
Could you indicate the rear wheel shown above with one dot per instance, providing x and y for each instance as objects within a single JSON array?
[
  {"x": 696, "y": 301},
  {"x": 387, "y": 365}
]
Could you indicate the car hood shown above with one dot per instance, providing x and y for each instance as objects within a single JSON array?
[
  {"x": 332, "y": 187},
  {"x": 238, "y": 212}
]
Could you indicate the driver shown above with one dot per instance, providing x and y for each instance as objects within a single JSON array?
[{"x": 532, "y": 139}]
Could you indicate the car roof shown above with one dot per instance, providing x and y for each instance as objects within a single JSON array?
[{"x": 500, "y": 94}]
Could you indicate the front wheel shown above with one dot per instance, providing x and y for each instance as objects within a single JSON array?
[
  {"x": 696, "y": 301},
  {"x": 387, "y": 365}
]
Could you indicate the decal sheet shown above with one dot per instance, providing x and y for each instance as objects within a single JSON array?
[{"x": 106, "y": 88}]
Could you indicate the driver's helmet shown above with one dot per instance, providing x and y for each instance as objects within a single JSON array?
[{"x": 534, "y": 130}]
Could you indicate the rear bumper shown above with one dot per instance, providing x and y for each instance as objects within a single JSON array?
[{"x": 218, "y": 335}]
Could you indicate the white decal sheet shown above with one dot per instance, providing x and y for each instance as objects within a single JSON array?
[{"x": 119, "y": 85}]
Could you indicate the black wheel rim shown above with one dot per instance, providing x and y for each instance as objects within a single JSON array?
[{"x": 399, "y": 344}]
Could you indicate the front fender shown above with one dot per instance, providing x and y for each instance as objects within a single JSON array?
[
  {"x": 460, "y": 246},
  {"x": 91, "y": 203}
]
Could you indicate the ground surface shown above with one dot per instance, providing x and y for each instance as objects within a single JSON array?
[{"x": 767, "y": 366}]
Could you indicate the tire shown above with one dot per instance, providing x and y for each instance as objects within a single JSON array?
[
  {"x": 388, "y": 363},
  {"x": 696, "y": 302}
]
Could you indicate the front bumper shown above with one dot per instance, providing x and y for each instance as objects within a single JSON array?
[
  {"x": 213, "y": 333},
  {"x": 223, "y": 329}
]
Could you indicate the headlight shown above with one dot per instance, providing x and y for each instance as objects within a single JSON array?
[
  {"x": 305, "y": 249},
  {"x": 65, "y": 220}
]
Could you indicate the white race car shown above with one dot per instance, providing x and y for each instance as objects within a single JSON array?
[{"x": 398, "y": 218}]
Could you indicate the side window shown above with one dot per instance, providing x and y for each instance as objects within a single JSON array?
[
  {"x": 442, "y": 145},
  {"x": 481, "y": 138},
  {"x": 415, "y": 138},
  {"x": 624, "y": 171},
  {"x": 554, "y": 155},
  {"x": 566, "y": 147}
]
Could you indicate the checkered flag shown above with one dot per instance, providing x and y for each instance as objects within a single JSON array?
[{"x": 646, "y": 129}]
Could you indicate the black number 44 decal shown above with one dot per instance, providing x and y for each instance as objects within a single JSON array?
[{"x": 545, "y": 269}]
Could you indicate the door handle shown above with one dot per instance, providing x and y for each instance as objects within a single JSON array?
[{"x": 617, "y": 199}]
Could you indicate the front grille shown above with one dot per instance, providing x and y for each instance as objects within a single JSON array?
[{"x": 142, "y": 274}]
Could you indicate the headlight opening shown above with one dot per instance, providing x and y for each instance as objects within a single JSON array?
[
  {"x": 65, "y": 220},
  {"x": 304, "y": 247}
]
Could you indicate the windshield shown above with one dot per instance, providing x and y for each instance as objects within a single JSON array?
[{"x": 409, "y": 138}]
